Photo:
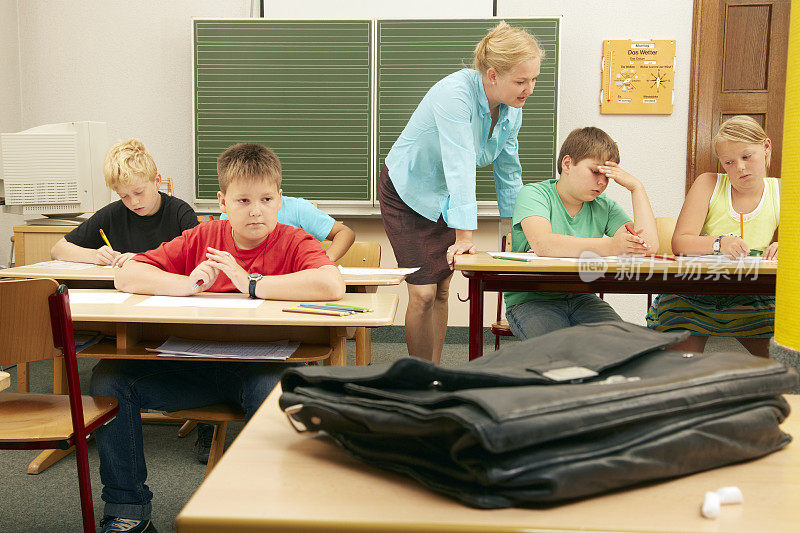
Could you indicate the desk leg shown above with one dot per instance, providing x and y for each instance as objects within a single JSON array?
[
  {"x": 338, "y": 347},
  {"x": 363, "y": 346},
  {"x": 23, "y": 379},
  {"x": 475, "y": 319}
]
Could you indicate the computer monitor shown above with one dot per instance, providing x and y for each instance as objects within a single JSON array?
[{"x": 55, "y": 170}]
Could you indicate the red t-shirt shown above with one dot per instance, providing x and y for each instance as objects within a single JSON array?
[{"x": 285, "y": 250}]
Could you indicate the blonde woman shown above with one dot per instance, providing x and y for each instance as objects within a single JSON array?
[
  {"x": 467, "y": 120},
  {"x": 727, "y": 214}
]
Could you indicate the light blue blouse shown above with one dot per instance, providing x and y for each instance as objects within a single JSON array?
[
  {"x": 432, "y": 164},
  {"x": 300, "y": 213}
]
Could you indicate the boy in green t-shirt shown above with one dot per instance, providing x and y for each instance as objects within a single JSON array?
[{"x": 569, "y": 217}]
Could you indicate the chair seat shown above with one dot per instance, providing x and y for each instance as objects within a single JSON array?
[
  {"x": 502, "y": 328},
  {"x": 220, "y": 412},
  {"x": 30, "y": 417}
]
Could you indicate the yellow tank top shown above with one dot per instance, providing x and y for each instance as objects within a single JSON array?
[{"x": 759, "y": 225}]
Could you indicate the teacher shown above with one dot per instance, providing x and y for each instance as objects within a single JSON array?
[{"x": 468, "y": 119}]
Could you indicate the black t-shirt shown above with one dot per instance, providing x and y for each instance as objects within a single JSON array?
[{"x": 129, "y": 232}]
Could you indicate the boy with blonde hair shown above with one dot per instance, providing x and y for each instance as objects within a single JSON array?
[
  {"x": 139, "y": 221},
  {"x": 250, "y": 253},
  {"x": 569, "y": 217}
]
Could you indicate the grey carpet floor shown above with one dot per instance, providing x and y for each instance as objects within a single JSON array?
[{"x": 50, "y": 502}]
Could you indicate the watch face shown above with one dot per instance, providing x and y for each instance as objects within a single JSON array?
[{"x": 255, "y": 276}]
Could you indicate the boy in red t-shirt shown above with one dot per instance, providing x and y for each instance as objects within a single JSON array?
[{"x": 249, "y": 253}]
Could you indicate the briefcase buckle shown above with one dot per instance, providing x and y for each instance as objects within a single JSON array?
[{"x": 569, "y": 373}]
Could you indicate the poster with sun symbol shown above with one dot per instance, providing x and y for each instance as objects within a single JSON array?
[{"x": 638, "y": 77}]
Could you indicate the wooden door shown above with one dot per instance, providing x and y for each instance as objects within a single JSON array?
[{"x": 738, "y": 68}]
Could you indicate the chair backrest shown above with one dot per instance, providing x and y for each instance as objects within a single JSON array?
[
  {"x": 25, "y": 328},
  {"x": 204, "y": 218},
  {"x": 166, "y": 186},
  {"x": 505, "y": 242},
  {"x": 665, "y": 227},
  {"x": 364, "y": 254}
]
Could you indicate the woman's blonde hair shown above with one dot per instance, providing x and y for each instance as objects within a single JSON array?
[
  {"x": 126, "y": 162},
  {"x": 741, "y": 129},
  {"x": 505, "y": 47}
]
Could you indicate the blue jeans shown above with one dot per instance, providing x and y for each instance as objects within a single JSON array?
[
  {"x": 531, "y": 319},
  {"x": 164, "y": 386}
]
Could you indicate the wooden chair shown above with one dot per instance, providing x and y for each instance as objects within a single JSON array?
[
  {"x": 500, "y": 327},
  {"x": 363, "y": 254},
  {"x": 35, "y": 323},
  {"x": 665, "y": 227},
  {"x": 166, "y": 186},
  {"x": 204, "y": 218},
  {"x": 218, "y": 416}
]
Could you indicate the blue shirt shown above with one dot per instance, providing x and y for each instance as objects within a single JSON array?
[
  {"x": 432, "y": 164},
  {"x": 300, "y": 213}
]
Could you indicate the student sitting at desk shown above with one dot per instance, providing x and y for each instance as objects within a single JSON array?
[
  {"x": 139, "y": 221},
  {"x": 300, "y": 213},
  {"x": 570, "y": 216},
  {"x": 250, "y": 253},
  {"x": 727, "y": 214}
]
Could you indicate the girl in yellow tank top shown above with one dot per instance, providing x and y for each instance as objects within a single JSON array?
[{"x": 729, "y": 214}]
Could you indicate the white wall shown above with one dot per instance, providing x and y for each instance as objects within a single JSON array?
[
  {"x": 10, "y": 113},
  {"x": 130, "y": 66}
]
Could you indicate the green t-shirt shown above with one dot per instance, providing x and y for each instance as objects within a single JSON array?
[{"x": 601, "y": 216}]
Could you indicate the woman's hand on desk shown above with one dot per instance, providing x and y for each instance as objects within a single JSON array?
[
  {"x": 225, "y": 262},
  {"x": 458, "y": 248},
  {"x": 202, "y": 277}
]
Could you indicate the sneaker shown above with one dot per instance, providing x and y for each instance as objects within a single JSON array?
[
  {"x": 205, "y": 432},
  {"x": 114, "y": 524}
]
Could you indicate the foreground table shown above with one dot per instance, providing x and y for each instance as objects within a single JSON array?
[
  {"x": 689, "y": 276},
  {"x": 273, "y": 479}
]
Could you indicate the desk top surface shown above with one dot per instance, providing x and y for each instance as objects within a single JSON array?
[
  {"x": 106, "y": 274},
  {"x": 483, "y": 262},
  {"x": 269, "y": 312},
  {"x": 273, "y": 479},
  {"x": 5, "y": 380}
]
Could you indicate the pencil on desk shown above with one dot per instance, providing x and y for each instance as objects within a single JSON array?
[
  {"x": 311, "y": 311},
  {"x": 105, "y": 239},
  {"x": 349, "y": 308},
  {"x": 666, "y": 257},
  {"x": 510, "y": 258}
]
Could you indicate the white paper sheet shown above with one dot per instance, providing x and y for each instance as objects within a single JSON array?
[
  {"x": 201, "y": 301},
  {"x": 177, "y": 347},
  {"x": 530, "y": 256},
  {"x": 377, "y": 271},
  {"x": 63, "y": 265},
  {"x": 90, "y": 297}
]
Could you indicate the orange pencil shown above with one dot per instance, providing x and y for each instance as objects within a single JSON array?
[{"x": 741, "y": 225}]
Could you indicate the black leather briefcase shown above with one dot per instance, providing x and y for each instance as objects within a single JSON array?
[{"x": 576, "y": 412}]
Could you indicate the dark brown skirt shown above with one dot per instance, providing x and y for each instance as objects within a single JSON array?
[{"x": 416, "y": 241}]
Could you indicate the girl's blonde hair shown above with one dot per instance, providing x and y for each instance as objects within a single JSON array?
[
  {"x": 505, "y": 47},
  {"x": 126, "y": 162},
  {"x": 741, "y": 129}
]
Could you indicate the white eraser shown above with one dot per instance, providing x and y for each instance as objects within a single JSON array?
[
  {"x": 729, "y": 495},
  {"x": 711, "y": 504}
]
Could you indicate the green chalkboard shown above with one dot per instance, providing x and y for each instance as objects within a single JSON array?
[
  {"x": 414, "y": 54},
  {"x": 300, "y": 87}
]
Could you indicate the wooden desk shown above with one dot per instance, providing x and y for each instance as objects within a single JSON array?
[
  {"x": 97, "y": 277},
  {"x": 32, "y": 243},
  {"x": 273, "y": 479},
  {"x": 137, "y": 327},
  {"x": 687, "y": 276},
  {"x": 5, "y": 380}
]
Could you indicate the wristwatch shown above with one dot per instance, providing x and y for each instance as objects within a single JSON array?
[
  {"x": 254, "y": 277},
  {"x": 716, "y": 245}
]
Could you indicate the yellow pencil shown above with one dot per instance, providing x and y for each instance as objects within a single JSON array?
[{"x": 105, "y": 239}]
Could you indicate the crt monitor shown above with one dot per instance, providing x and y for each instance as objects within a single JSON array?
[{"x": 55, "y": 170}]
